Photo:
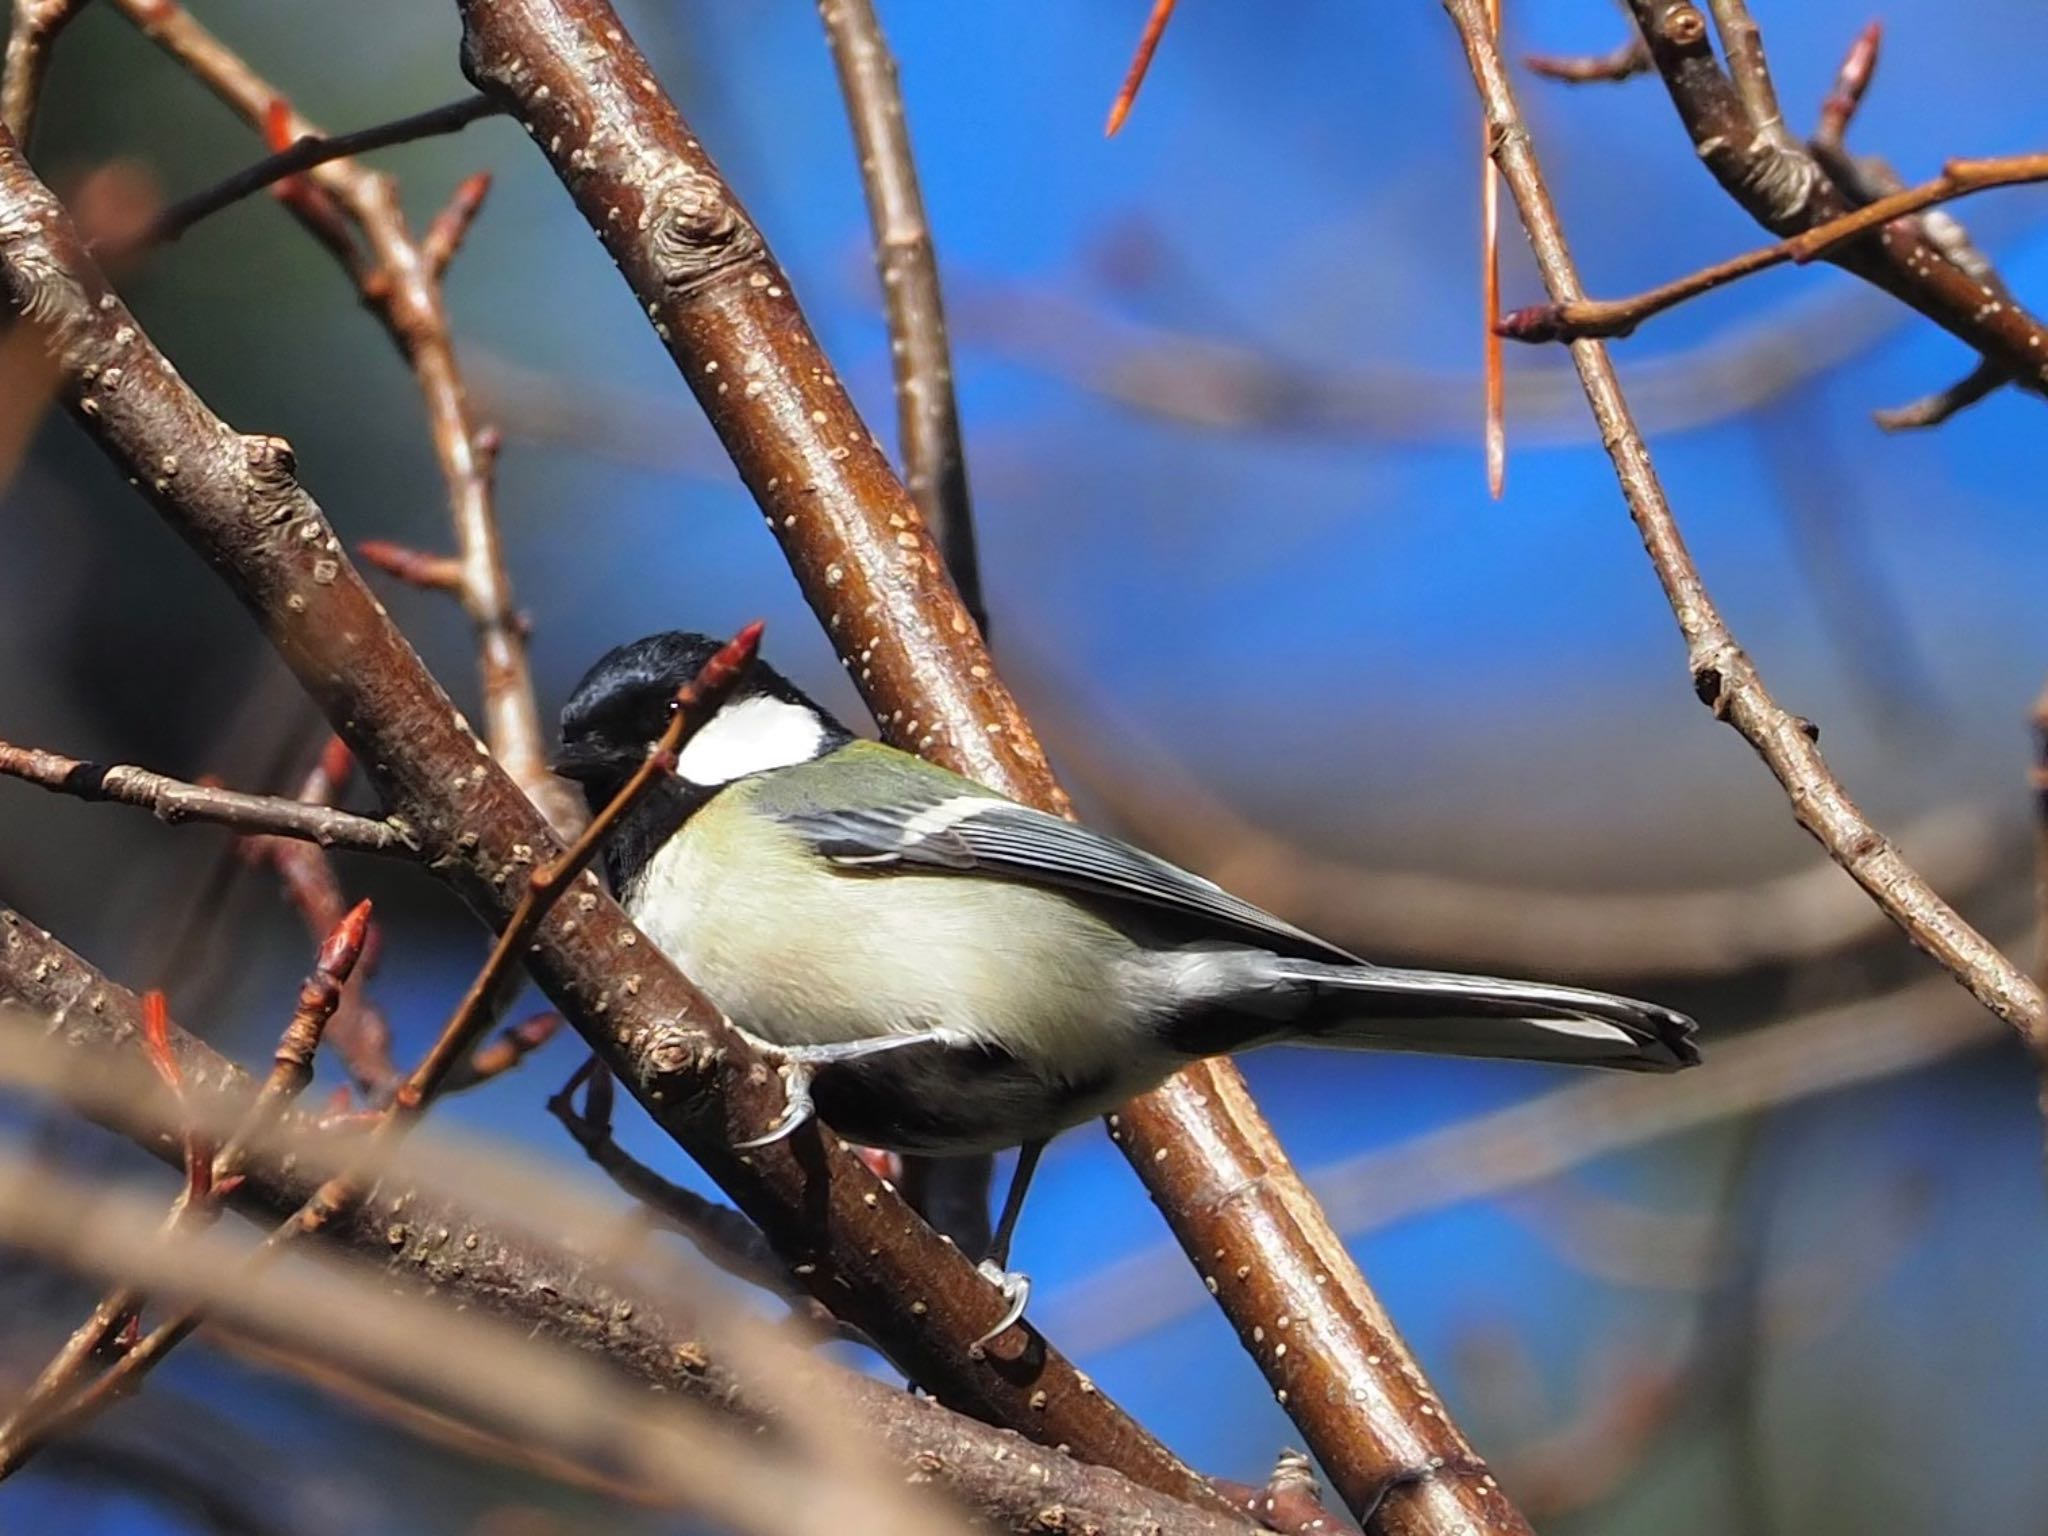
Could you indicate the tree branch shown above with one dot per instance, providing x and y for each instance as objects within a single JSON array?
[
  {"x": 174, "y": 800},
  {"x": 402, "y": 287},
  {"x": 927, "y": 415},
  {"x": 236, "y": 500},
  {"x": 1620, "y": 317},
  {"x": 1736, "y": 129},
  {"x": 31, "y": 32},
  {"x": 1723, "y": 676},
  {"x": 704, "y": 274}
]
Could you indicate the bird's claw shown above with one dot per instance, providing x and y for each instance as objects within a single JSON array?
[
  {"x": 796, "y": 1106},
  {"x": 1016, "y": 1289}
]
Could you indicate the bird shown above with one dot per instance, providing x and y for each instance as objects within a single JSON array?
[{"x": 944, "y": 970}]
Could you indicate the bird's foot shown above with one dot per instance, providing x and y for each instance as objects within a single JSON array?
[
  {"x": 1016, "y": 1289},
  {"x": 798, "y": 1062}
]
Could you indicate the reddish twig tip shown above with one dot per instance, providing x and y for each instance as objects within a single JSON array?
[{"x": 1148, "y": 44}]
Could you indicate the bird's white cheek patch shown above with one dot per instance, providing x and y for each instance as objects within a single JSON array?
[{"x": 751, "y": 736}]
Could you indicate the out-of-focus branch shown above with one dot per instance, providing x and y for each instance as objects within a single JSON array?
[
  {"x": 67, "y": 1394},
  {"x": 475, "y": 1367},
  {"x": 927, "y": 415},
  {"x": 31, "y": 31},
  {"x": 401, "y": 285},
  {"x": 175, "y": 800},
  {"x": 1510, "y": 1149},
  {"x": 1723, "y": 676},
  {"x": 714, "y": 293},
  {"x": 237, "y": 501},
  {"x": 1457, "y": 923},
  {"x": 1216, "y": 385},
  {"x": 416, "y": 1240},
  {"x": 1735, "y": 125},
  {"x": 1620, "y": 317}
]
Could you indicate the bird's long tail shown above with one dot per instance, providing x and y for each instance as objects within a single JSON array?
[{"x": 1368, "y": 1007}]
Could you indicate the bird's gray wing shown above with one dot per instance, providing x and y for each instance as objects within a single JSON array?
[{"x": 960, "y": 834}]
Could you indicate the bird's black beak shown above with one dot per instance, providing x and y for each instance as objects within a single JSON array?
[{"x": 583, "y": 761}]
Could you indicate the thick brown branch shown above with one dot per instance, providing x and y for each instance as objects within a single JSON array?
[
  {"x": 420, "y": 1242},
  {"x": 175, "y": 800},
  {"x": 1723, "y": 676},
  {"x": 236, "y": 500},
  {"x": 714, "y": 293}
]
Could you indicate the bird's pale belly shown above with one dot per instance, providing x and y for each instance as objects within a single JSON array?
[{"x": 1027, "y": 992}]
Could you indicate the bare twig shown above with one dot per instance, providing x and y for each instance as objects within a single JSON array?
[
  {"x": 403, "y": 289},
  {"x": 359, "y": 1033},
  {"x": 1141, "y": 62},
  {"x": 645, "y": 184},
  {"x": 927, "y": 415},
  {"x": 1723, "y": 676},
  {"x": 306, "y": 153},
  {"x": 1626, "y": 60},
  {"x": 62, "y": 1399},
  {"x": 1619, "y": 317},
  {"x": 31, "y": 32},
  {"x": 1735, "y": 126},
  {"x": 175, "y": 800}
]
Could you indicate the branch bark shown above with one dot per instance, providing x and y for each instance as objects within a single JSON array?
[
  {"x": 236, "y": 501},
  {"x": 575, "y": 80}
]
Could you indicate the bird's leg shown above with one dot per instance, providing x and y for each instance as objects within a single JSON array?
[
  {"x": 995, "y": 1268},
  {"x": 798, "y": 1062}
]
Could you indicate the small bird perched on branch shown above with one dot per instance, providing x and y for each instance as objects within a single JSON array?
[{"x": 963, "y": 973}]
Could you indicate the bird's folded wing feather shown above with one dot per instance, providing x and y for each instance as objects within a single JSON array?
[{"x": 1000, "y": 839}]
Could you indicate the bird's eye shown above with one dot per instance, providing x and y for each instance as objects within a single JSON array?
[{"x": 675, "y": 707}]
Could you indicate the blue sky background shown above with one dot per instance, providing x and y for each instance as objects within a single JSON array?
[{"x": 1333, "y": 627}]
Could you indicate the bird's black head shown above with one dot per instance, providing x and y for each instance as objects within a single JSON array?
[{"x": 620, "y": 709}]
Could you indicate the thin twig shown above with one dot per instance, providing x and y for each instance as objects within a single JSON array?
[
  {"x": 1722, "y": 674},
  {"x": 62, "y": 1399},
  {"x": 402, "y": 288},
  {"x": 927, "y": 414},
  {"x": 1141, "y": 63},
  {"x": 1619, "y": 317},
  {"x": 174, "y": 800},
  {"x": 1734, "y": 126},
  {"x": 304, "y": 154}
]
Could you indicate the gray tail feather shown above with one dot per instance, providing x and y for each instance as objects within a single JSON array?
[{"x": 1375, "y": 1008}]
